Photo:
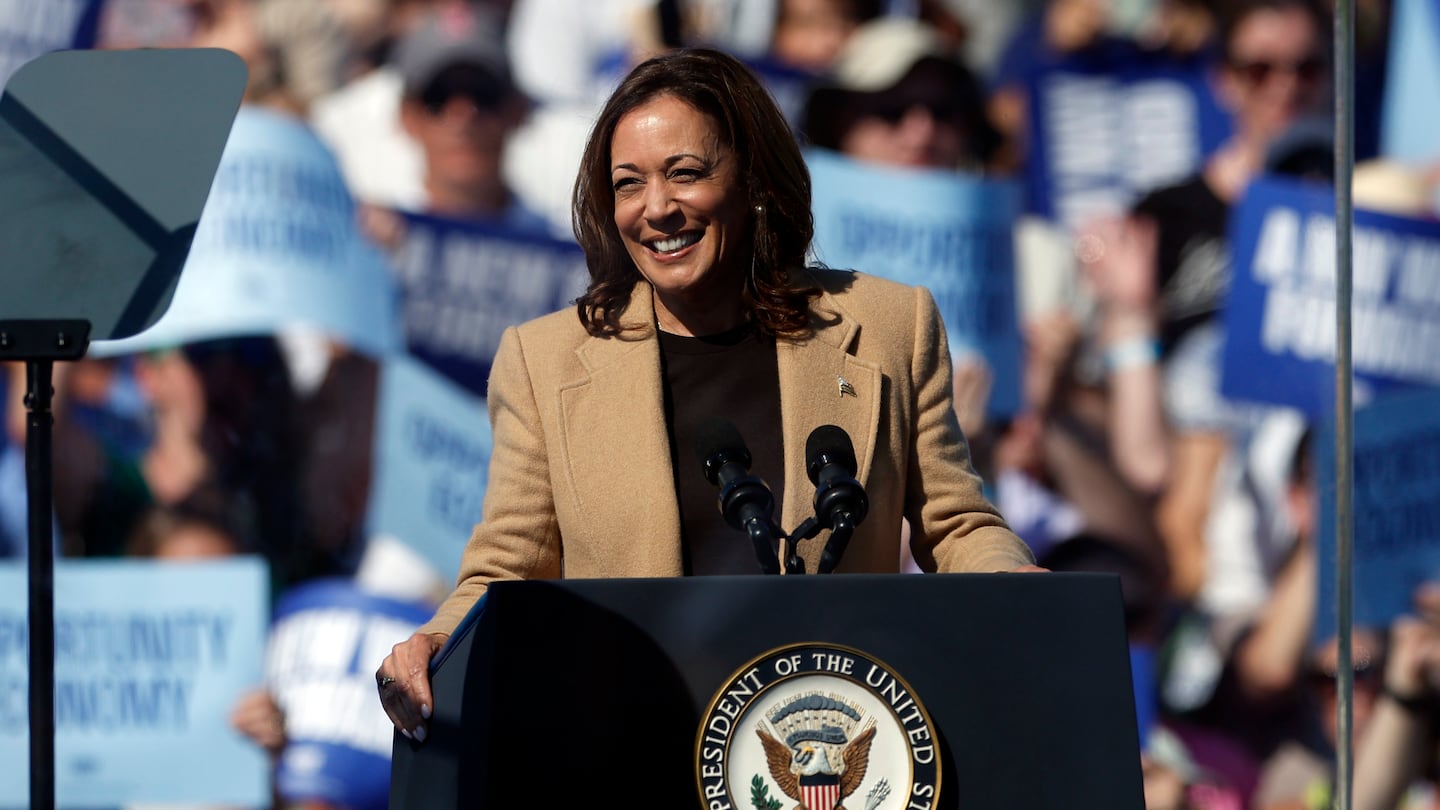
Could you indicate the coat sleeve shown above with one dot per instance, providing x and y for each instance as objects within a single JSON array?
[
  {"x": 518, "y": 536},
  {"x": 953, "y": 527}
]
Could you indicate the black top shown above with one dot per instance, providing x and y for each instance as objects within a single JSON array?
[
  {"x": 1193, "y": 263},
  {"x": 734, "y": 375}
]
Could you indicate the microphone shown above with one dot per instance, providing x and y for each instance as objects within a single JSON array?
[
  {"x": 745, "y": 501},
  {"x": 840, "y": 501}
]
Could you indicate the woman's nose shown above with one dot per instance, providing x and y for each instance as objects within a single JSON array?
[{"x": 659, "y": 202}]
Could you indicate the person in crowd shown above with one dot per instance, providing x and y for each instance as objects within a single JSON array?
[
  {"x": 460, "y": 107},
  {"x": 1398, "y": 750},
  {"x": 1160, "y": 278},
  {"x": 898, "y": 98},
  {"x": 811, "y": 34},
  {"x": 1395, "y": 716},
  {"x": 295, "y": 52},
  {"x": 360, "y": 120},
  {"x": 226, "y": 422},
  {"x": 693, "y": 209}
]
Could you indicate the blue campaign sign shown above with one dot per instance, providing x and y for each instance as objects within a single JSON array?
[
  {"x": 945, "y": 231},
  {"x": 150, "y": 658},
  {"x": 432, "y": 461},
  {"x": 33, "y": 28},
  {"x": 1410, "y": 118},
  {"x": 1280, "y": 315},
  {"x": 327, "y": 640},
  {"x": 1396, "y": 507},
  {"x": 462, "y": 284},
  {"x": 278, "y": 245},
  {"x": 1102, "y": 135}
]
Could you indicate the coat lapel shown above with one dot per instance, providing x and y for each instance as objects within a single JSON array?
[
  {"x": 617, "y": 448},
  {"x": 822, "y": 383}
]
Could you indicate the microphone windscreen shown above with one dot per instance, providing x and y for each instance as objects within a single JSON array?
[
  {"x": 717, "y": 442},
  {"x": 828, "y": 444}
]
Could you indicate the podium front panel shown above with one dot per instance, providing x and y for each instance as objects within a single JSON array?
[{"x": 592, "y": 692}]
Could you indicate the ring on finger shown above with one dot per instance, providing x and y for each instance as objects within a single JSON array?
[{"x": 386, "y": 681}]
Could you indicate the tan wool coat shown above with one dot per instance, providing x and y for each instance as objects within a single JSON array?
[{"x": 580, "y": 476}]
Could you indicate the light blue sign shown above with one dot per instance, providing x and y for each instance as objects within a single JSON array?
[
  {"x": 1410, "y": 118},
  {"x": 150, "y": 659},
  {"x": 1280, "y": 315},
  {"x": 432, "y": 461},
  {"x": 277, "y": 245},
  {"x": 948, "y": 232},
  {"x": 1099, "y": 138},
  {"x": 1396, "y": 506},
  {"x": 462, "y": 284},
  {"x": 328, "y": 639},
  {"x": 32, "y": 28}
]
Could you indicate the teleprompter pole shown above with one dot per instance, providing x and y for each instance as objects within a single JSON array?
[{"x": 39, "y": 343}]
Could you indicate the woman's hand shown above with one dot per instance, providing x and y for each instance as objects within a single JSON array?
[{"x": 404, "y": 682}]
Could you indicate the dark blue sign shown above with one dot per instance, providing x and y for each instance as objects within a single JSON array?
[
  {"x": 1105, "y": 132},
  {"x": 327, "y": 640},
  {"x": 462, "y": 284},
  {"x": 1396, "y": 508},
  {"x": 1280, "y": 316}
]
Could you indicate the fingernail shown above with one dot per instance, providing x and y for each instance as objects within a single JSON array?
[
  {"x": 420, "y": 733},
  {"x": 406, "y": 732},
  {"x": 425, "y": 710}
]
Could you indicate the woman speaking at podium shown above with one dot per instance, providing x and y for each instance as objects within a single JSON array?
[{"x": 693, "y": 208}]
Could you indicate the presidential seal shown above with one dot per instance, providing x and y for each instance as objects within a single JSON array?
[{"x": 816, "y": 727}]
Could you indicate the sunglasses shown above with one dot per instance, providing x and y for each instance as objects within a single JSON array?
[
  {"x": 1365, "y": 674},
  {"x": 893, "y": 112},
  {"x": 1260, "y": 71},
  {"x": 475, "y": 84}
]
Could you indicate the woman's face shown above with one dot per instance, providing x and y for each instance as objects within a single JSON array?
[
  {"x": 681, "y": 213},
  {"x": 1275, "y": 73}
]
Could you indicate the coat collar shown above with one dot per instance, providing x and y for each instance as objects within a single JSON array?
[
  {"x": 822, "y": 382},
  {"x": 621, "y": 398}
]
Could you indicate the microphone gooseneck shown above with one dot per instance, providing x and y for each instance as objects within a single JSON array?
[
  {"x": 840, "y": 501},
  {"x": 745, "y": 501}
]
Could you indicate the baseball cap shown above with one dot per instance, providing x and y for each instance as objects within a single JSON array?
[{"x": 449, "y": 38}]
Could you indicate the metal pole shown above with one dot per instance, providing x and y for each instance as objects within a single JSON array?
[
  {"x": 1344, "y": 407},
  {"x": 38, "y": 393}
]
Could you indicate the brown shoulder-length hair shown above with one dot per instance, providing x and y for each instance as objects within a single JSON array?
[{"x": 770, "y": 169}]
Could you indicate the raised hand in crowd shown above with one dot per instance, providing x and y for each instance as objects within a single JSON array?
[
  {"x": 1118, "y": 259},
  {"x": 1399, "y": 739},
  {"x": 1050, "y": 341},
  {"x": 257, "y": 716}
]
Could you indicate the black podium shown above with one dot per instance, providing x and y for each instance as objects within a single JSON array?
[{"x": 592, "y": 693}]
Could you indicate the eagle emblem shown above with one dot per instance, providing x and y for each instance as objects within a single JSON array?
[
  {"x": 826, "y": 726},
  {"x": 819, "y": 750}
]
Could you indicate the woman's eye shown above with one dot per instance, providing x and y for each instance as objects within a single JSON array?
[{"x": 625, "y": 182}]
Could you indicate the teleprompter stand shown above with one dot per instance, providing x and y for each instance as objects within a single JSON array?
[{"x": 108, "y": 158}]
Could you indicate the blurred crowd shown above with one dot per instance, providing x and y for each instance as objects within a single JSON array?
[{"x": 1125, "y": 456}]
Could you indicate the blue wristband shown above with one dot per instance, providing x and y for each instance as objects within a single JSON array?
[{"x": 1132, "y": 353}]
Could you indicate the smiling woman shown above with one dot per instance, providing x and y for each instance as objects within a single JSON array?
[
  {"x": 680, "y": 212},
  {"x": 693, "y": 208}
]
